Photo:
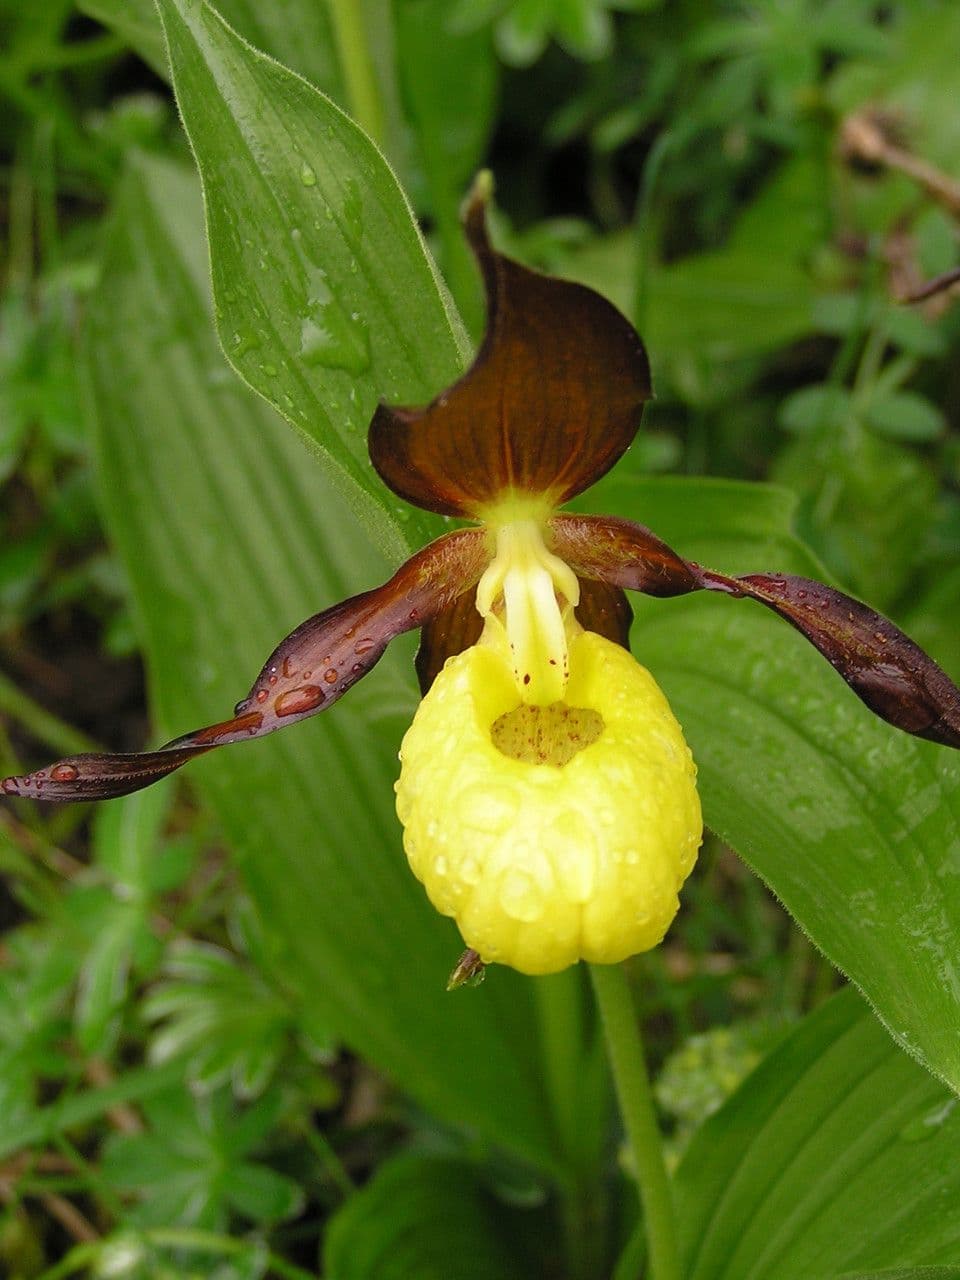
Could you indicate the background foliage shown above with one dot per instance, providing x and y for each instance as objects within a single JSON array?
[{"x": 225, "y": 1049}]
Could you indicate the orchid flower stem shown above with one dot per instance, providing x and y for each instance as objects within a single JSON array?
[
  {"x": 625, "y": 1051},
  {"x": 560, "y": 1014},
  {"x": 356, "y": 64}
]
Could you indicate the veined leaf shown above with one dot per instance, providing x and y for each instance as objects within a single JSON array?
[
  {"x": 295, "y": 32},
  {"x": 854, "y": 825},
  {"x": 837, "y": 1155},
  {"x": 423, "y": 1216},
  {"x": 326, "y": 299},
  {"x": 231, "y": 534}
]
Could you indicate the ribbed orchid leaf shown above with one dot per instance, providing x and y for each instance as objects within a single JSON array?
[
  {"x": 326, "y": 299},
  {"x": 838, "y": 1156},
  {"x": 855, "y": 825}
]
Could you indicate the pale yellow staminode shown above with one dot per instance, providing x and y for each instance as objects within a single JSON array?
[
  {"x": 551, "y": 834},
  {"x": 528, "y": 594}
]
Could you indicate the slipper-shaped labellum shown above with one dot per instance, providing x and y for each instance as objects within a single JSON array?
[{"x": 547, "y": 795}]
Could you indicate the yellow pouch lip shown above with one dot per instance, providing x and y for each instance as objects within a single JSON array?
[{"x": 543, "y": 864}]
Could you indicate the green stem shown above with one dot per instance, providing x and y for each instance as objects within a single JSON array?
[
  {"x": 329, "y": 1160},
  {"x": 42, "y": 724},
  {"x": 560, "y": 1014},
  {"x": 360, "y": 81},
  {"x": 634, "y": 1095}
]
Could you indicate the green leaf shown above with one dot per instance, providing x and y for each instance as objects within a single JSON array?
[
  {"x": 423, "y": 1216},
  {"x": 746, "y": 299},
  {"x": 854, "y": 825},
  {"x": 837, "y": 1155},
  {"x": 224, "y": 1015},
  {"x": 905, "y": 1273},
  {"x": 915, "y": 83},
  {"x": 126, "y": 836},
  {"x": 905, "y": 415},
  {"x": 190, "y": 1165},
  {"x": 295, "y": 32},
  {"x": 115, "y": 922},
  {"x": 821, "y": 406},
  {"x": 326, "y": 300},
  {"x": 232, "y": 534},
  {"x": 866, "y": 505},
  {"x": 136, "y": 22}
]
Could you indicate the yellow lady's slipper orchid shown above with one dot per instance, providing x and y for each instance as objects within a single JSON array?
[
  {"x": 550, "y": 833},
  {"x": 547, "y": 794}
]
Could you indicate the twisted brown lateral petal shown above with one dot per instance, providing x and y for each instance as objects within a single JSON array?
[
  {"x": 884, "y": 668},
  {"x": 551, "y": 402},
  {"x": 314, "y": 666},
  {"x": 602, "y": 608}
]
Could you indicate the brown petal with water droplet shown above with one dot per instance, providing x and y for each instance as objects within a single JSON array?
[
  {"x": 308, "y": 672},
  {"x": 885, "y": 668},
  {"x": 889, "y": 672},
  {"x": 551, "y": 402}
]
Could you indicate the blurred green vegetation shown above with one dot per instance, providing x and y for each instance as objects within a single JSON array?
[{"x": 759, "y": 186}]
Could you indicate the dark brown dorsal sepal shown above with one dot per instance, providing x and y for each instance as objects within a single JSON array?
[{"x": 551, "y": 402}]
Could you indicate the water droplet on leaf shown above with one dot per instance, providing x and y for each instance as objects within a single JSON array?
[{"x": 328, "y": 335}]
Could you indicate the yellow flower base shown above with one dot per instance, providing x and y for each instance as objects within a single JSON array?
[{"x": 540, "y": 863}]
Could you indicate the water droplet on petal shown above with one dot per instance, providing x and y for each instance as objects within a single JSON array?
[
  {"x": 64, "y": 773},
  {"x": 296, "y": 701},
  {"x": 520, "y": 897}
]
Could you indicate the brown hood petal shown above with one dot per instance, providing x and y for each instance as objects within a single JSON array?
[
  {"x": 308, "y": 671},
  {"x": 885, "y": 669},
  {"x": 551, "y": 402}
]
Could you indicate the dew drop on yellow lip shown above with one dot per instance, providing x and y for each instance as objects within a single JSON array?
[{"x": 550, "y": 834}]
